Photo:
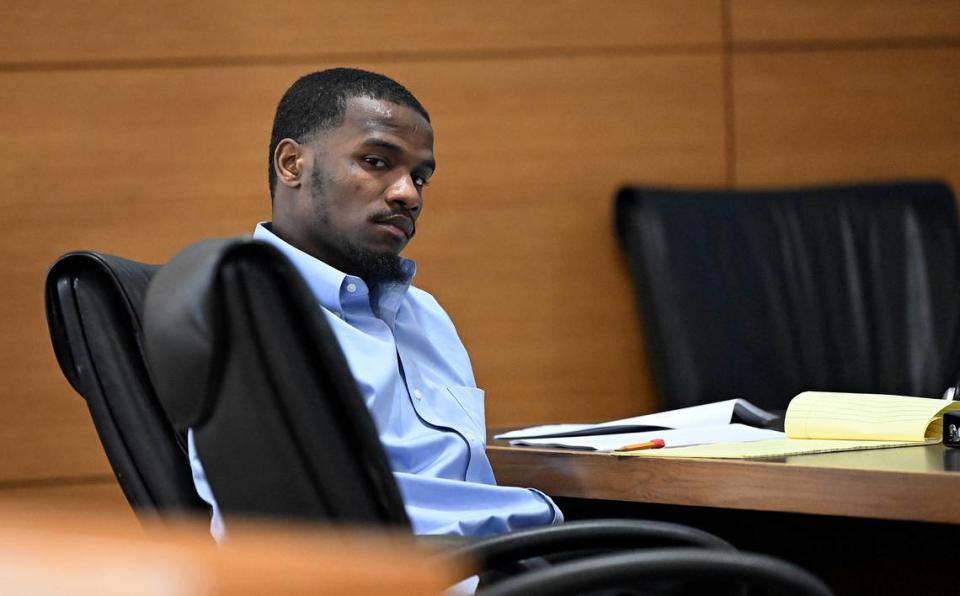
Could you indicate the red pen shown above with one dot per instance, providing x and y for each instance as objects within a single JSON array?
[{"x": 651, "y": 444}]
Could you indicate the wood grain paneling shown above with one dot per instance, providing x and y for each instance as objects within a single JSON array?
[
  {"x": 96, "y": 496},
  {"x": 820, "y": 20},
  {"x": 215, "y": 29},
  {"x": 516, "y": 241},
  {"x": 517, "y": 235},
  {"x": 846, "y": 115},
  {"x": 131, "y": 163}
]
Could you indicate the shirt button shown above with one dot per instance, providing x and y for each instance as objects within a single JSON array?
[
  {"x": 417, "y": 394},
  {"x": 351, "y": 288}
]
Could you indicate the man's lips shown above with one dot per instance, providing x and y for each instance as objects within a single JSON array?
[{"x": 401, "y": 222}]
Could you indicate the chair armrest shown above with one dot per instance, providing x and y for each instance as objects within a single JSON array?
[
  {"x": 612, "y": 534},
  {"x": 699, "y": 564}
]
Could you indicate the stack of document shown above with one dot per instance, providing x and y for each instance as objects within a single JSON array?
[
  {"x": 696, "y": 425},
  {"x": 816, "y": 422}
]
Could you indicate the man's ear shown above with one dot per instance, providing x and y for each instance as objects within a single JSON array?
[{"x": 288, "y": 163}]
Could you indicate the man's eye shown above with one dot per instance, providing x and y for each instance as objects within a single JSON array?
[
  {"x": 375, "y": 162},
  {"x": 420, "y": 181}
]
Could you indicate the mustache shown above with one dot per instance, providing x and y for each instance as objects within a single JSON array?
[{"x": 399, "y": 218}]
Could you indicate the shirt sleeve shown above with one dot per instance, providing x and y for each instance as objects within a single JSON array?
[
  {"x": 439, "y": 506},
  {"x": 203, "y": 488}
]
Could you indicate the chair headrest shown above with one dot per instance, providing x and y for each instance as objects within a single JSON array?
[
  {"x": 122, "y": 280},
  {"x": 182, "y": 325}
]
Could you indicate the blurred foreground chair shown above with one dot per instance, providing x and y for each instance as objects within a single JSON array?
[
  {"x": 238, "y": 351},
  {"x": 47, "y": 551},
  {"x": 764, "y": 294}
]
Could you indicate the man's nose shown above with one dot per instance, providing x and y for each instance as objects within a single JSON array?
[{"x": 404, "y": 191}]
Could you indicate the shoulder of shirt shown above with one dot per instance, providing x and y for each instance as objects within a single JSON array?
[
  {"x": 436, "y": 323},
  {"x": 425, "y": 304},
  {"x": 423, "y": 299}
]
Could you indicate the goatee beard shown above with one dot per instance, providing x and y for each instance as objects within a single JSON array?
[{"x": 374, "y": 268}]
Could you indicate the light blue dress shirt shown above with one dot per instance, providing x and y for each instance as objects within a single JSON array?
[{"x": 415, "y": 377}]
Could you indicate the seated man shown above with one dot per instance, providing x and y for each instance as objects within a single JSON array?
[{"x": 350, "y": 155}]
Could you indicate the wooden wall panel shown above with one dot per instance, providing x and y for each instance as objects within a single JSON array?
[
  {"x": 846, "y": 115},
  {"x": 516, "y": 240},
  {"x": 820, "y": 20},
  {"x": 132, "y": 163},
  {"x": 517, "y": 235},
  {"x": 215, "y": 29},
  {"x": 97, "y": 496}
]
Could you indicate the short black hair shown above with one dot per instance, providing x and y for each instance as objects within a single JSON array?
[{"x": 318, "y": 101}]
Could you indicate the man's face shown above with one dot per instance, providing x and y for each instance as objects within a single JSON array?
[{"x": 362, "y": 188}]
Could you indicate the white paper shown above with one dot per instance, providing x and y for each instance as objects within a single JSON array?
[
  {"x": 713, "y": 414},
  {"x": 682, "y": 437},
  {"x": 542, "y": 431}
]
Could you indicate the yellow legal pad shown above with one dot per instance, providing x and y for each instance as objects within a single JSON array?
[{"x": 821, "y": 422}]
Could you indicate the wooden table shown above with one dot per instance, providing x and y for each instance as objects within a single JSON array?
[
  {"x": 882, "y": 521},
  {"x": 909, "y": 484}
]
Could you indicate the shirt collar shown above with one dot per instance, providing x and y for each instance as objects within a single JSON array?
[{"x": 329, "y": 284}]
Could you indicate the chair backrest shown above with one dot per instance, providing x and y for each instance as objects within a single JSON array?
[
  {"x": 94, "y": 303},
  {"x": 764, "y": 294},
  {"x": 241, "y": 353}
]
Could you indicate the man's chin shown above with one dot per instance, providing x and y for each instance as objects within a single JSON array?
[{"x": 374, "y": 266}]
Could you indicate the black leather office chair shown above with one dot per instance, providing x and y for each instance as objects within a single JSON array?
[
  {"x": 94, "y": 304},
  {"x": 240, "y": 353},
  {"x": 764, "y": 294}
]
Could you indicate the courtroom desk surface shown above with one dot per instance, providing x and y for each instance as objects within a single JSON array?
[
  {"x": 872, "y": 522},
  {"x": 905, "y": 484}
]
